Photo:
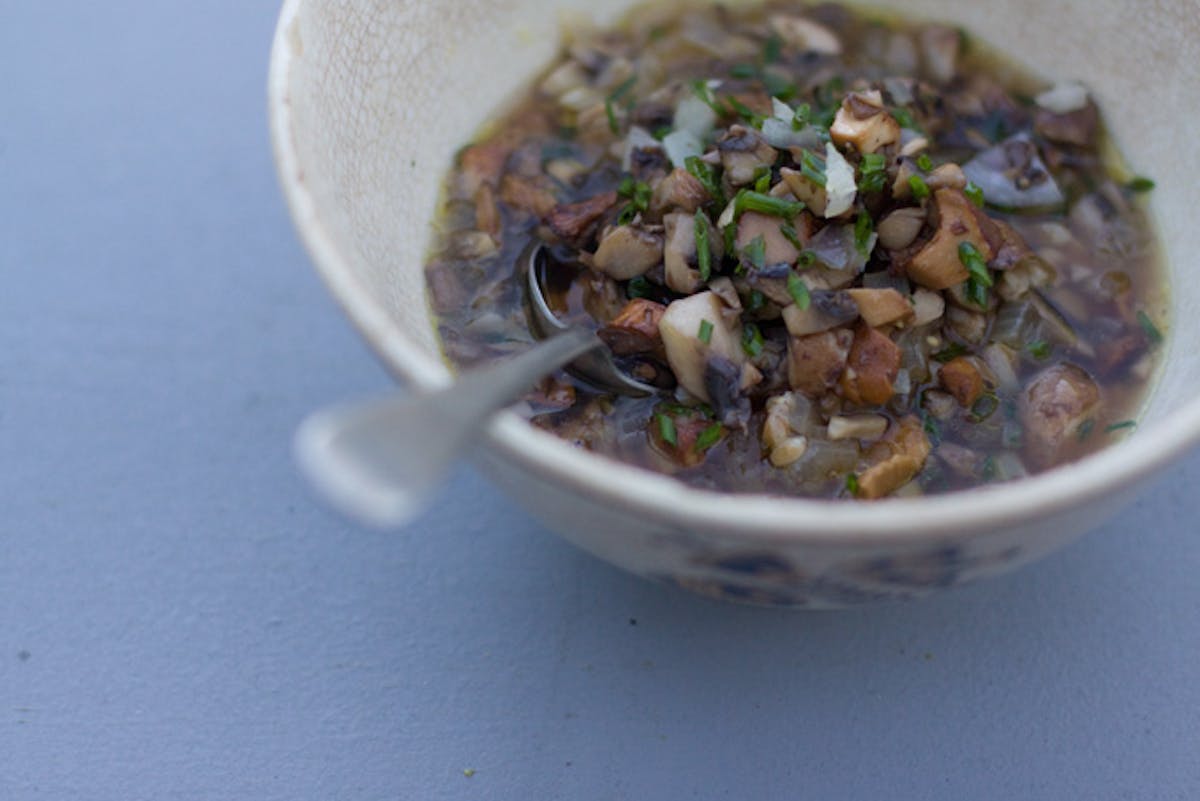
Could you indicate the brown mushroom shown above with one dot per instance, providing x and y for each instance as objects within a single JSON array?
[
  {"x": 872, "y": 368},
  {"x": 805, "y": 35},
  {"x": 900, "y": 228},
  {"x": 939, "y": 265},
  {"x": 635, "y": 330},
  {"x": 680, "y": 257},
  {"x": 816, "y": 362},
  {"x": 575, "y": 222},
  {"x": 880, "y": 307},
  {"x": 1053, "y": 409},
  {"x": 528, "y": 195},
  {"x": 910, "y": 448},
  {"x": 778, "y": 248},
  {"x": 678, "y": 191},
  {"x": 627, "y": 251},
  {"x": 863, "y": 122},
  {"x": 963, "y": 379},
  {"x": 744, "y": 152}
]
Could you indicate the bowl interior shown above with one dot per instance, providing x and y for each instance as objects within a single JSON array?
[{"x": 374, "y": 97}]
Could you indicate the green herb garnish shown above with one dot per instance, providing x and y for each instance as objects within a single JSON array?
[
  {"x": 980, "y": 280},
  {"x": 638, "y": 287},
  {"x": 703, "y": 251},
  {"x": 773, "y": 49},
  {"x": 799, "y": 292},
  {"x": 852, "y": 485},
  {"x": 617, "y": 96},
  {"x": 1152, "y": 333},
  {"x": 1128, "y": 424},
  {"x": 1085, "y": 429},
  {"x": 984, "y": 408},
  {"x": 765, "y": 204},
  {"x": 974, "y": 193},
  {"x": 872, "y": 173},
  {"x": 666, "y": 429},
  {"x": 932, "y": 428},
  {"x": 707, "y": 176},
  {"x": 758, "y": 301},
  {"x": 1040, "y": 349},
  {"x": 1140, "y": 184},
  {"x": 791, "y": 235},
  {"x": 925, "y": 163},
  {"x": 919, "y": 188},
  {"x": 743, "y": 71},
  {"x": 662, "y": 132},
  {"x": 812, "y": 167},
  {"x": 638, "y": 193},
  {"x": 762, "y": 183},
  {"x": 905, "y": 118},
  {"x": 705, "y": 333},
  {"x": 949, "y": 354},
  {"x": 806, "y": 259},
  {"x": 709, "y": 437},
  {"x": 864, "y": 227},
  {"x": 752, "y": 340},
  {"x": 705, "y": 93},
  {"x": 756, "y": 252},
  {"x": 803, "y": 117}
]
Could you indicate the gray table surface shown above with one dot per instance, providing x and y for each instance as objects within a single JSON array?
[{"x": 180, "y": 620}]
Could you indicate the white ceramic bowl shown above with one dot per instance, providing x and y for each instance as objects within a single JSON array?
[{"x": 369, "y": 101}]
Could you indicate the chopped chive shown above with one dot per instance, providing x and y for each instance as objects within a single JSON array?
[
  {"x": 1085, "y": 429},
  {"x": 623, "y": 89},
  {"x": 864, "y": 227},
  {"x": 807, "y": 259},
  {"x": 778, "y": 86},
  {"x": 638, "y": 287},
  {"x": 973, "y": 260},
  {"x": 762, "y": 184},
  {"x": 666, "y": 429},
  {"x": 662, "y": 132},
  {"x": 932, "y": 428},
  {"x": 705, "y": 333},
  {"x": 756, "y": 252},
  {"x": 611, "y": 113},
  {"x": 905, "y": 118},
  {"x": 803, "y": 116},
  {"x": 704, "y": 92},
  {"x": 707, "y": 176},
  {"x": 610, "y": 102},
  {"x": 873, "y": 170},
  {"x": 743, "y": 71},
  {"x": 1040, "y": 349},
  {"x": 984, "y": 408},
  {"x": 989, "y": 472},
  {"x": 730, "y": 236},
  {"x": 852, "y": 485},
  {"x": 812, "y": 167},
  {"x": 709, "y": 437},
  {"x": 757, "y": 301},
  {"x": 703, "y": 250},
  {"x": 974, "y": 193},
  {"x": 1128, "y": 424},
  {"x": 925, "y": 163},
  {"x": 1140, "y": 184},
  {"x": 752, "y": 340},
  {"x": 1152, "y": 333},
  {"x": 746, "y": 112},
  {"x": 799, "y": 292},
  {"x": 765, "y": 204},
  {"x": 791, "y": 235},
  {"x": 919, "y": 188}
]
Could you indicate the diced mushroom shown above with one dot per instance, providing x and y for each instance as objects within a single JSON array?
[
  {"x": 1052, "y": 410},
  {"x": 872, "y": 368},
  {"x": 772, "y": 282},
  {"x": 552, "y": 394},
  {"x": 1079, "y": 127},
  {"x": 1009, "y": 247},
  {"x": 826, "y": 310},
  {"x": 788, "y": 452},
  {"x": 900, "y": 228},
  {"x": 963, "y": 379},
  {"x": 635, "y": 330},
  {"x": 743, "y": 153},
  {"x": 687, "y": 428},
  {"x": 863, "y": 122},
  {"x": 473, "y": 245},
  {"x": 788, "y": 414},
  {"x": 970, "y": 326},
  {"x": 627, "y": 251},
  {"x": 861, "y": 427},
  {"x": 680, "y": 254},
  {"x": 778, "y": 248},
  {"x": 939, "y": 265},
  {"x": 575, "y": 222},
  {"x": 678, "y": 191},
  {"x": 940, "y": 49},
  {"x": 928, "y": 306},
  {"x": 910, "y": 448},
  {"x": 528, "y": 195},
  {"x": 805, "y": 35},
  {"x": 815, "y": 363},
  {"x": 481, "y": 164},
  {"x": 880, "y": 307},
  {"x": 947, "y": 176},
  {"x": 726, "y": 383},
  {"x": 805, "y": 190},
  {"x": 687, "y": 352}
]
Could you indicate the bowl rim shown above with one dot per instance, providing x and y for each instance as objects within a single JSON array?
[{"x": 1113, "y": 472}]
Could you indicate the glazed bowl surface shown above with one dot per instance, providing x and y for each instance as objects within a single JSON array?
[{"x": 371, "y": 99}]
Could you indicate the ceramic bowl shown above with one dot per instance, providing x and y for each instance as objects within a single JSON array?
[{"x": 369, "y": 101}]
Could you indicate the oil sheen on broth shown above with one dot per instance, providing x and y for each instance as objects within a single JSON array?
[{"x": 862, "y": 257}]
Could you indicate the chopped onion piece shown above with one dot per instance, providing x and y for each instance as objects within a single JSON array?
[
  {"x": 1064, "y": 98},
  {"x": 840, "y": 186},
  {"x": 639, "y": 139},
  {"x": 682, "y": 145},
  {"x": 694, "y": 116}
]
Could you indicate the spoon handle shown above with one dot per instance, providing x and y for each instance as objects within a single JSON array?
[{"x": 380, "y": 461}]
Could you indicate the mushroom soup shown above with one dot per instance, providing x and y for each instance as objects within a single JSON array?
[{"x": 860, "y": 257}]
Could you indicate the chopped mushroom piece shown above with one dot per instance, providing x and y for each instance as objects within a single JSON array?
[
  {"x": 872, "y": 368},
  {"x": 528, "y": 195},
  {"x": 815, "y": 363},
  {"x": 778, "y": 249},
  {"x": 1053, "y": 409},
  {"x": 635, "y": 330},
  {"x": 863, "y": 122},
  {"x": 940, "y": 47},
  {"x": 575, "y": 222},
  {"x": 1079, "y": 127},
  {"x": 743, "y": 153},
  {"x": 680, "y": 255},
  {"x": 680, "y": 190},
  {"x": 910, "y": 448},
  {"x": 627, "y": 251},
  {"x": 938, "y": 265},
  {"x": 947, "y": 176},
  {"x": 900, "y": 228},
  {"x": 687, "y": 353},
  {"x": 963, "y": 379},
  {"x": 805, "y": 35},
  {"x": 825, "y": 310},
  {"x": 880, "y": 307},
  {"x": 928, "y": 306}
]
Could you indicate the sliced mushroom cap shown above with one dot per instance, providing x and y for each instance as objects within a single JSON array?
[
  {"x": 1052, "y": 410},
  {"x": 627, "y": 251},
  {"x": 939, "y": 265},
  {"x": 816, "y": 363},
  {"x": 744, "y": 152},
  {"x": 687, "y": 352},
  {"x": 826, "y": 310},
  {"x": 963, "y": 379},
  {"x": 928, "y": 306},
  {"x": 635, "y": 330},
  {"x": 900, "y": 228},
  {"x": 863, "y": 122},
  {"x": 680, "y": 254},
  {"x": 1012, "y": 175},
  {"x": 778, "y": 248},
  {"x": 805, "y": 35},
  {"x": 575, "y": 222},
  {"x": 871, "y": 371},
  {"x": 678, "y": 191},
  {"x": 880, "y": 307},
  {"x": 910, "y": 448}
]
